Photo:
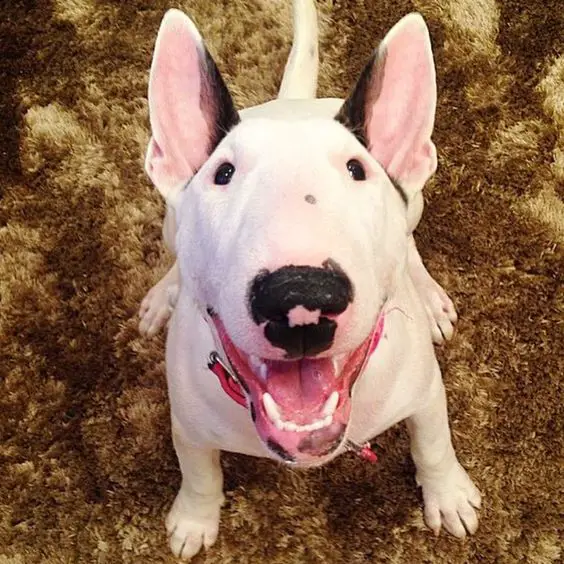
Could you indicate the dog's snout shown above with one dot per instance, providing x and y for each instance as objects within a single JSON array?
[
  {"x": 301, "y": 340},
  {"x": 274, "y": 294},
  {"x": 299, "y": 305}
]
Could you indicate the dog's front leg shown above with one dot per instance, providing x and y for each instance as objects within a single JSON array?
[
  {"x": 159, "y": 302},
  {"x": 193, "y": 520},
  {"x": 449, "y": 495},
  {"x": 439, "y": 308}
]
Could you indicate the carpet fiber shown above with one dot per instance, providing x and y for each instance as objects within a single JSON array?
[{"x": 86, "y": 462}]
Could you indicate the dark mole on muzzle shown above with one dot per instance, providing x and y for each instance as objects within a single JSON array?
[{"x": 280, "y": 451}]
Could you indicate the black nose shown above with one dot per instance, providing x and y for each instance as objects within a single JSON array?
[{"x": 273, "y": 295}]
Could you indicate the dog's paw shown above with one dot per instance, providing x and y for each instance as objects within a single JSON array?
[
  {"x": 156, "y": 307},
  {"x": 439, "y": 308},
  {"x": 451, "y": 502},
  {"x": 191, "y": 525}
]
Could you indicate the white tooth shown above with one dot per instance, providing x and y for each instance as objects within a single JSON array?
[
  {"x": 263, "y": 371},
  {"x": 331, "y": 404},
  {"x": 271, "y": 408},
  {"x": 294, "y": 427},
  {"x": 290, "y": 426},
  {"x": 339, "y": 362},
  {"x": 316, "y": 425},
  {"x": 254, "y": 361}
]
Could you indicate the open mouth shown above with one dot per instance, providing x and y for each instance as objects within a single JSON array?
[{"x": 301, "y": 408}]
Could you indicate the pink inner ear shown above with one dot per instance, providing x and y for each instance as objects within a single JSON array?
[
  {"x": 400, "y": 122},
  {"x": 180, "y": 128}
]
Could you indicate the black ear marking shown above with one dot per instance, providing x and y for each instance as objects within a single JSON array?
[
  {"x": 354, "y": 111},
  {"x": 400, "y": 190},
  {"x": 216, "y": 97}
]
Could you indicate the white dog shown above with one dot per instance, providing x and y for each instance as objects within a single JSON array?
[{"x": 303, "y": 317}]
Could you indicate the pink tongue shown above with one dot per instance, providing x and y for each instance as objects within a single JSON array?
[{"x": 301, "y": 387}]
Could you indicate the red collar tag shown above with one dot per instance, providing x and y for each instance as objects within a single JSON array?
[{"x": 364, "y": 451}]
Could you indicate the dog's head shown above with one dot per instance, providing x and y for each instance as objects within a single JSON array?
[{"x": 293, "y": 231}]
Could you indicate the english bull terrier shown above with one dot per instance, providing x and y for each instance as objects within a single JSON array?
[{"x": 303, "y": 318}]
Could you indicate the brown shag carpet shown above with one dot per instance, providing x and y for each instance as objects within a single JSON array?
[{"x": 87, "y": 470}]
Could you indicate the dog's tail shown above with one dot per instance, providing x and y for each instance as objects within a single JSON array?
[{"x": 300, "y": 74}]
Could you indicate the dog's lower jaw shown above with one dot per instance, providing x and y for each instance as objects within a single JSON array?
[
  {"x": 313, "y": 462},
  {"x": 308, "y": 456}
]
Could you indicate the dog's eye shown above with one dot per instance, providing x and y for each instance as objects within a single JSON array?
[
  {"x": 223, "y": 174},
  {"x": 356, "y": 170}
]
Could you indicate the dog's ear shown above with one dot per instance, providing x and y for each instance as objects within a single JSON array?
[
  {"x": 392, "y": 108},
  {"x": 190, "y": 107}
]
